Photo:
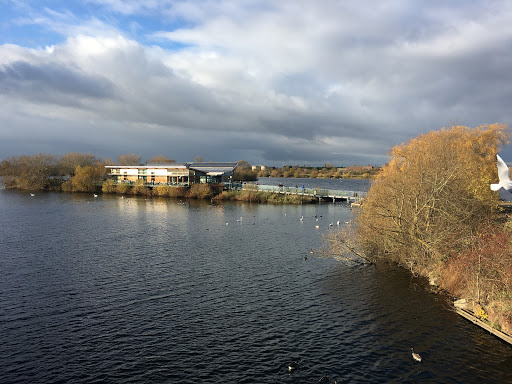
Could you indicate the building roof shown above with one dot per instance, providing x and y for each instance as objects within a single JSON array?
[
  {"x": 208, "y": 168},
  {"x": 151, "y": 165},
  {"x": 166, "y": 165},
  {"x": 213, "y": 169},
  {"x": 213, "y": 165}
]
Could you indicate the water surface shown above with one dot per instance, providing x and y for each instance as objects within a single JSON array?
[{"x": 113, "y": 289}]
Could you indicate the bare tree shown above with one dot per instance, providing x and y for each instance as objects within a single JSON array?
[
  {"x": 129, "y": 159},
  {"x": 68, "y": 162},
  {"x": 160, "y": 159}
]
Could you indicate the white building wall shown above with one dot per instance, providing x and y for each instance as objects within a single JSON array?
[
  {"x": 129, "y": 171},
  {"x": 158, "y": 171}
]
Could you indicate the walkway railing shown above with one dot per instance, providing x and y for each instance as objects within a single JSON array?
[{"x": 315, "y": 192}]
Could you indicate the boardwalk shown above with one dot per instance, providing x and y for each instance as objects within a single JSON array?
[{"x": 321, "y": 194}]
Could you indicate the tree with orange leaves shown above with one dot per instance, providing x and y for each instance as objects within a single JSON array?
[{"x": 432, "y": 196}]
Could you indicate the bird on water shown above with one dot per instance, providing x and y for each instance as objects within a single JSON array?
[
  {"x": 503, "y": 175},
  {"x": 293, "y": 365},
  {"x": 416, "y": 356}
]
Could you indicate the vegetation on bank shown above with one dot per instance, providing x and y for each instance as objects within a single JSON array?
[
  {"x": 70, "y": 172},
  {"x": 82, "y": 172},
  {"x": 77, "y": 172},
  {"x": 255, "y": 196},
  {"x": 431, "y": 210}
]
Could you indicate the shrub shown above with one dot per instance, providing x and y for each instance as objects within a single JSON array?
[
  {"x": 161, "y": 190},
  {"x": 483, "y": 271},
  {"x": 87, "y": 178},
  {"x": 140, "y": 188},
  {"x": 67, "y": 186},
  {"x": 123, "y": 188},
  {"x": 178, "y": 191},
  {"x": 204, "y": 191},
  {"x": 226, "y": 195},
  {"x": 254, "y": 196},
  {"x": 109, "y": 186}
]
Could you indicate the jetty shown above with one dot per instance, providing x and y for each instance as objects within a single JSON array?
[
  {"x": 461, "y": 308},
  {"x": 328, "y": 195}
]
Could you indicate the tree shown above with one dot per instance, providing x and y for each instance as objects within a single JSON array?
[
  {"x": 139, "y": 188},
  {"x": 242, "y": 164},
  {"x": 129, "y": 159},
  {"x": 88, "y": 178},
  {"x": 432, "y": 196},
  {"x": 276, "y": 173},
  {"x": 29, "y": 172},
  {"x": 198, "y": 159},
  {"x": 68, "y": 162},
  {"x": 109, "y": 186},
  {"x": 244, "y": 174},
  {"x": 160, "y": 159}
]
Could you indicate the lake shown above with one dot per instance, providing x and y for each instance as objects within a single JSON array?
[{"x": 131, "y": 290}]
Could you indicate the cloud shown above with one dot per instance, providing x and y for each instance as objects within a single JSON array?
[
  {"x": 287, "y": 81},
  {"x": 25, "y": 80}
]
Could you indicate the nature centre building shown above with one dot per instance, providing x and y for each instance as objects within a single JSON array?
[{"x": 173, "y": 173}]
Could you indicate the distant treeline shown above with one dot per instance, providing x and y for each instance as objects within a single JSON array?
[
  {"x": 245, "y": 172},
  {"x": 326, "y": 172}
]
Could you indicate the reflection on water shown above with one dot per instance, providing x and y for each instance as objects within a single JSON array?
[{"x": 157, "y": 290}]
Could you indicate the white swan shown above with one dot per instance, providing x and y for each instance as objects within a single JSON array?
[{"x": 503, "y": 175}]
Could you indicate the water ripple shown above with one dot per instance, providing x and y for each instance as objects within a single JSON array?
[{"x": 137, "y": 291}]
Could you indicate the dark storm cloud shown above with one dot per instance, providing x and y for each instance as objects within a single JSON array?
[{"x": 24, "y": 79}]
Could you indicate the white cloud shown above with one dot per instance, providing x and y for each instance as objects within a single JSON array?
[{"x": 300, "y": 79}]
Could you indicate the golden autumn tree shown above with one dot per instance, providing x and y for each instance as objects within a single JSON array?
[
  {"x": 88, "y": 178},
  {"x": 432, "y": 196}
]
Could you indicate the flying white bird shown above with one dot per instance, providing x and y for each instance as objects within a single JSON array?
[{"x": 503, "y": 175}]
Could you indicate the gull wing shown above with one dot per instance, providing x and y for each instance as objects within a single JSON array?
[{"x": 503, "y": 172}]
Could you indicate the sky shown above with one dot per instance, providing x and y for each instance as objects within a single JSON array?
[{"x": 269, "y": 82}]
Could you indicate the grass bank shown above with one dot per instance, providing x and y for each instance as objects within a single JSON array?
[
  {"x": 264, "y": 197},
  {"x": 205, "y": 191}
]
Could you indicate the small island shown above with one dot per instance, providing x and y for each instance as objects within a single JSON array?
[{"x": 162, "y": 177}]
